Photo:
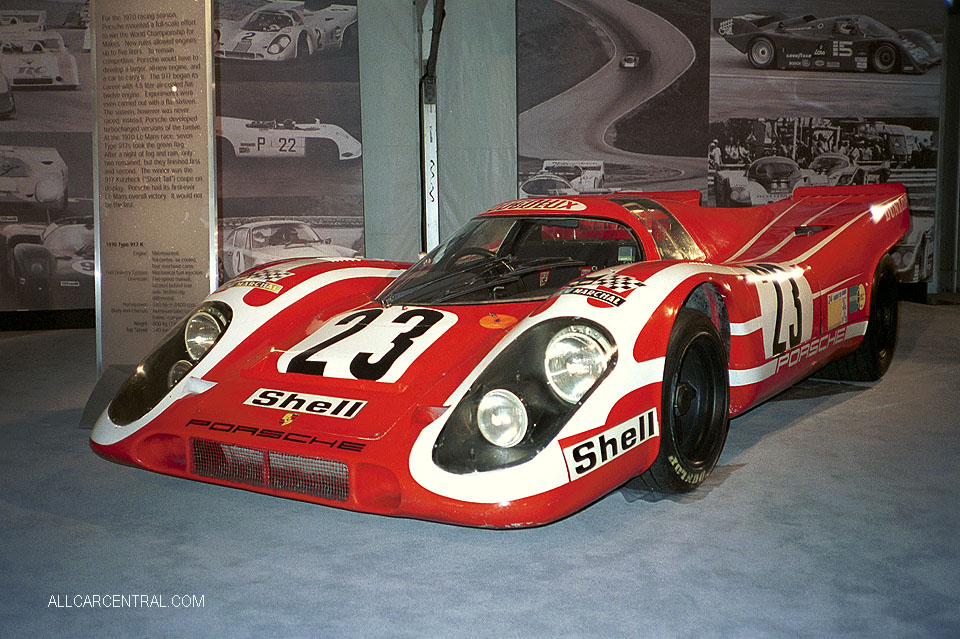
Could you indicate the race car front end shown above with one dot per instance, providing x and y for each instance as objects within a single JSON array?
[{"x": 472, "y": 414}]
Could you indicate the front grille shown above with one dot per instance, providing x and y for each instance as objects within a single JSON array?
[
  {"x": 324, "y": 478},
  {"x": 32, "y": 81},
  {"x": 240, "y": 55}
]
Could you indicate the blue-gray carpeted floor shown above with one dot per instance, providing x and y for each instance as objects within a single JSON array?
[{"x": 834, "y": 513}]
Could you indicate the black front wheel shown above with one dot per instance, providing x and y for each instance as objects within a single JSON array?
[
  {"x": 762, "y": 54},
  {"x": 694, "y": 406},
  {"x": 884, "y": 58}
]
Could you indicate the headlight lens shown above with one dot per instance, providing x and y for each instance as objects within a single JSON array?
[
  {"x": 202, "y": 332},
  {"x": 279, "y": 44},
  {"x": 170, "y": 362},
  {"x": 178, "y": 371},
  {"x": 502, "y": 418},
  {"x": 574, "y": 360}
]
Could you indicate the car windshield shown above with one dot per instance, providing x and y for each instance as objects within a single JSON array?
[
  {"x": 547, "y": 185},
  {"x": 871, "y": 27},
  {"x": 282, "y": 235},
  {"x": 512, "y": 258},
  {"x": 772, "y": 169},
  {"x": 268, "y": 21},
  {"x": 71, "y": 240},
  {"x": 826, "y": 163}
]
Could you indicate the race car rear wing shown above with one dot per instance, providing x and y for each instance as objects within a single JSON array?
[
  {"x": 685, "y": 197},
  {"x": 751, "y": 23},
  {"x": 874, "y": 191}
]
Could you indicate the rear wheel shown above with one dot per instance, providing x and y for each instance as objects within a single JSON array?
[
  {"x": 694, "y": 405},
  {"x": 762, "y": 53},
  {"x": 884, "y": 58},
  {"x": 872, "y": 358}
]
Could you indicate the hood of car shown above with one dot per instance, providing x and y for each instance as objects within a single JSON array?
[
  {"x": 358, "y": 373},
  {"x": 312, "y": 249}
]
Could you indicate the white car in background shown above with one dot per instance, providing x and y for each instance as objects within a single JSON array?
[
  {"x": 256, "y": 243},
  {"x": 286, "y": 30},
  {"x": 37, "y": 175},
  {"x": 565, "y": 177},
  {"x": 38, "y": 60},
  {"x": 22, "y": 21},
  {"x": 283, "y": 138}
]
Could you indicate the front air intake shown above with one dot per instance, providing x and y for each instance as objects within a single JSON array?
[{"x": 323, "y": 478}]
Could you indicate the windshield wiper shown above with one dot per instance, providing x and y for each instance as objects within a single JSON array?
[
  {"x": 393, "y": 298},
  {"x": 513, "y": 275}
]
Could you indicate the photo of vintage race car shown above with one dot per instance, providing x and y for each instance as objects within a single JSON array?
[
  {"x": 565, "y": 177},
  {"x": 8, "y": 104},
  {"x": 284, "y": 138},
  {"x": 37, "y": 175},
  {"x": 766, "y": 180},
  {"x": 286, "y": 30},
  {"x": 913, "y": 255},
  {"x": 256, "y": 243},
  {"x": 51, "y": 266},
  {"x": 841, "y": 43},
  {"x": 542, "y": 356},
  {"x": 22, "y": 21},
  {"x": 836, "y": 169},
  {"x": 38, "y": 60}
]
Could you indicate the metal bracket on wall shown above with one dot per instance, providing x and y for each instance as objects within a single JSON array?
[{"x": 429, "y": 171}]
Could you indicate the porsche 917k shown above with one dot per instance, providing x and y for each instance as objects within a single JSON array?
[
  {"x": 286, "y": 30},
  {"x": 548, "y": 352}
]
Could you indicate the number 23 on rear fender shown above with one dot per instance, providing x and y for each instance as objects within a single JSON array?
[{"x": 543, "y": 355}]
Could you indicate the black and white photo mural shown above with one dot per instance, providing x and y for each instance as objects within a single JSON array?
[
  {"x": 46, "y": 157},
  {"x": 288, "y": 131},
  {"x": 813, "y": 93}
]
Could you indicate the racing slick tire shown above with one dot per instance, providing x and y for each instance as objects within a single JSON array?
[
  {"x": 873, "y": 356},
  {"x": 694, "y": 406},
  {"x": 761, "y": 53},
  {"x": 884, "y": 58}
]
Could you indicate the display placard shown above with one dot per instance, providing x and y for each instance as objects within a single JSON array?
[{"x": 156, "y": 198}]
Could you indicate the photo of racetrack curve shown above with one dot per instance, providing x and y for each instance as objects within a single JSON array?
[{"x": 578, "y": 123}]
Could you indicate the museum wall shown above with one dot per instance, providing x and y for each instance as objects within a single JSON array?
[{"x": 599, "y": 94}]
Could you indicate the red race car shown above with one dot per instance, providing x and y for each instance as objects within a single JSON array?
[{"x": 548, "y": 352}]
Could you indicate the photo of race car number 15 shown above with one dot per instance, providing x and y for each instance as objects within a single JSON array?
[{"x": 545, "y": 354}]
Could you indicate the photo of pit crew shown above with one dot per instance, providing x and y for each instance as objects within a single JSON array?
[{"x": 755, "y": 161}]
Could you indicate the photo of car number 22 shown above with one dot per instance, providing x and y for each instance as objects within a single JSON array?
[{"x": 583, "y": 341}]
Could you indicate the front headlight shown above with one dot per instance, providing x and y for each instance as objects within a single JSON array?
[
  {"x": 502, "y": 418},
  {"x": 575, "y": 359},
  {"x": 48, "y": 189},
  {"x": 522, "y": 399},
  {"x": 279, "y": 44},
  {"x": 170, "y": 362},
  {"x": 203, "y": 330}
]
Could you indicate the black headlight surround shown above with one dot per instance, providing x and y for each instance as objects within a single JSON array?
[
  {"x": 461, "y": 448},
  {"x": 149, "y": 382}
]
